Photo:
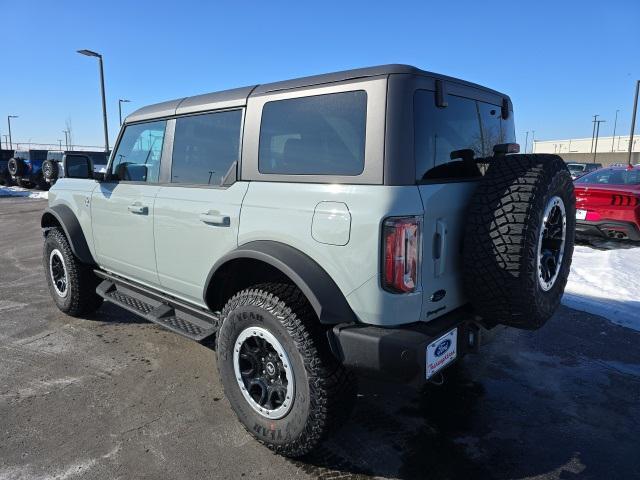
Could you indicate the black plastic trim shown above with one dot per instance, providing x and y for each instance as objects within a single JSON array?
[
  {"x": 596, "y": 228},
  {"x": 325, "y": 297},
  {"x": 72, "y": 230}
]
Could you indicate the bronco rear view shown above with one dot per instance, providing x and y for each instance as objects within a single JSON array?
[{"x": 373, "y": 221}]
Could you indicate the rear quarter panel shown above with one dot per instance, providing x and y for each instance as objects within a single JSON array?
[{"x": 284, "y": 212}]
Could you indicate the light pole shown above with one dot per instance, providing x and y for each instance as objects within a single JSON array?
[
  {"x": 120, "y": 102},
  {"x": 66, "y": 139},
  {"x": 90, "y": 53},
  {"x": 593, "y": 135},
  {"x": 595, "y": 149},
  {"x": 633, "y": 120},
  {"x": 60, "y": 143},
  {"x": 615, "y": 123},
  {"x": 533, "y": 140},
  {"x": 9, "y": 117}
]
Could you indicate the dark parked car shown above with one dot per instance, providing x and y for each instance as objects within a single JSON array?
[
  {"x": 5, "y": 176},
  {"x": 54, "y": 167},
  {"x": 578, "y": 169},
  {"x": 26, "y": 168}
]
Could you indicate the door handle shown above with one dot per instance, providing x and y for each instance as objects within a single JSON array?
[
  {"x": 215, "y": 218},
  {"x": 440, "y": 248},
  {"x": 138, "y": 209}
]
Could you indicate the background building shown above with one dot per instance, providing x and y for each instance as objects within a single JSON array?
[{"x": 610, "y": 149}]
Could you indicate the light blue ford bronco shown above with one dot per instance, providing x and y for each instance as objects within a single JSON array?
[{"x": 376, "y": 220}]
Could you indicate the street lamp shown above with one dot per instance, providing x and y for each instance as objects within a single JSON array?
[
  {"x": 595, "y": 148},
  {"x": 615, "y": 123},
  {"x": 60, "y": 143},
  {"x": 90, "y": 53},
  {"x": 120, "y": 102},
  {"x": 66, "y": 139},
  {"x": 9, "y": 117}
]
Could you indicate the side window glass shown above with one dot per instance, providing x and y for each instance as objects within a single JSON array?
[
  {"x": 318, "y": 135},
  {"x": 441, "y": 131},
  {"x": 205, "y": 147},
  {"x": 138, "y": 155}
]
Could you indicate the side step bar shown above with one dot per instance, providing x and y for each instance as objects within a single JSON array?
[{"x": 175, "y": 315}]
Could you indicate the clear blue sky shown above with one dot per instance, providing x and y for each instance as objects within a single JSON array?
[{"x": 561, "y": 61}]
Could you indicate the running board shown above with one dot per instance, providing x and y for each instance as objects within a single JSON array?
[{"x": 177, "y": 316}]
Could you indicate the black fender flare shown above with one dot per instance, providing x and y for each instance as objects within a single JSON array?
[
  {"x": 64, "y": 216},
  {"x": 324, "y": 295}
]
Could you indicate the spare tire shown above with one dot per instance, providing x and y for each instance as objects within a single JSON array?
[
  {"x": 50, "y": 170},
  {"x": 15, "y": 167},
  {"x": 519, "y": 240}
]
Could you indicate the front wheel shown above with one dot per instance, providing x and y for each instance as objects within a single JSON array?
[
  {"x": 277, "y": 372},
  {"x": 72, "y": 284}
]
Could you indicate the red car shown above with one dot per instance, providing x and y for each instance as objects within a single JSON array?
[{"x": 608, "y": 203}]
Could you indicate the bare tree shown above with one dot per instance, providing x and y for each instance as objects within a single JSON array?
[{"x": 69, "y": 132}]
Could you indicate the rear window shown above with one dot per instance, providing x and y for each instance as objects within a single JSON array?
[
  {"x": 465, "y": 124},
  {"x": 318, "y": 135},
  {"x": 612, "y": 177}
]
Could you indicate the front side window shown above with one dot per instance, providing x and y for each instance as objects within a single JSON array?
[
  {"x": 138, "y": 155},
  {"x": 318, "y": 135},
  {"x": 205, "y": 147},
  {"x": 468, "y": 127}
]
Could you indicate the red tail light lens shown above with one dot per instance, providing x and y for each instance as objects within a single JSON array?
[{"x": 401, "y": 253}]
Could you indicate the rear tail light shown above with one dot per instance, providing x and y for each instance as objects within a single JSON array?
[
  {"x": 624, "y": 200},
  {"x": 401, "y": 242}
]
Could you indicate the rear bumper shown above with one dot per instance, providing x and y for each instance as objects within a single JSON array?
[
  {"x": 399, "y": 353},
  {"x": 609, "y": 229}
]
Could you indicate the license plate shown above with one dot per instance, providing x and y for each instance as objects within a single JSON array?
[
  {"x": 581, "y": 214},
  {"x": 442, "y": 352}
]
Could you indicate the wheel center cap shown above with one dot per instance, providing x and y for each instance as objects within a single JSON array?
[{"x": 271, "y": 368}]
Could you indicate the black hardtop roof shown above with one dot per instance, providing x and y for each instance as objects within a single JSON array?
[{"x": 237, "y": 97}]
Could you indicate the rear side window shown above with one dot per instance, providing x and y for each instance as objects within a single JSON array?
[
  {"x": 205, "y": 147},
  {"x": 466, "y": 126},
  {"x": 138, "y": 155},
  {"x": 319, "y": 135},
  {"x": 612, "y": 177}
]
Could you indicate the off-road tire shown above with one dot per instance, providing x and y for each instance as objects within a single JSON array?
[
  {"x": 500, "y": 251},
  {"x": 324, "y": 390},
  {"x": 81, "y": 298},
  {"x": 15, "y": 167},
  {"x": 50, "y": 170}
]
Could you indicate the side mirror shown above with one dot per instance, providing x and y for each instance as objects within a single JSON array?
[{"x": 78, "y": 166}]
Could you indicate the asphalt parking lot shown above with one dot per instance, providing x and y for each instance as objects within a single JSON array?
[{"x": 113, "y": 396}]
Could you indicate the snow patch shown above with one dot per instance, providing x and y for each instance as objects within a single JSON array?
[
  {"x": 606, "y": 283},
  {"x": 22, "y": 192}
]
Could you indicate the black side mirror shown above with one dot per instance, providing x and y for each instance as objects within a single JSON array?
[
  {"x": 78, "y": 166},
  {"x": 504, "y": 148}
]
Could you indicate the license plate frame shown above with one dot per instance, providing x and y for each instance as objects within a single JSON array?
[{"x": 441, "y": 352}]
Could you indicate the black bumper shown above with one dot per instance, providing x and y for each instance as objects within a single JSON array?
[
  {"x": 400, "y": 353},
  {"x": 609, "y": 229}
]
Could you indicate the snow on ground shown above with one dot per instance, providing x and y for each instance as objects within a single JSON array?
[
  {"x": 22, "y": 192},
  {"x": 606, "y": 281}
]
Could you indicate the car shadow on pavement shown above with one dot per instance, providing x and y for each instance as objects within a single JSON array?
[
  {"x": 556, "y": 403},
  {"x": 606, "y": 244}
]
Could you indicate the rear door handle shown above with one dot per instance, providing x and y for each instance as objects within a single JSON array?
[
  {"x": 215, "y": 218},
  {"x": 440, "y": 248},
  {"x": 138, "y": 209}
]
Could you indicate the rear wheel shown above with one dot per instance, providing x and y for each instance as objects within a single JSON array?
[
  {"x": 72, "y": 284},
  {"x": 519, "y": 240},
  {"x": 278, "y": 373}
]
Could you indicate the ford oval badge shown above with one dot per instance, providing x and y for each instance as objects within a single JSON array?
[
  {"x": 438, "y": 295},
  {"x": 443, "y": 347}
]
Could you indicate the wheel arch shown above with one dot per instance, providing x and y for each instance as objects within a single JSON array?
[
  {"x": 61, "y": 216},
  {"x": 278, "y": 261}
]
